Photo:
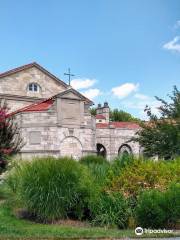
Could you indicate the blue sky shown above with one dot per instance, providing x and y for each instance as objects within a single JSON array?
[{"x": 122, "y": 51}]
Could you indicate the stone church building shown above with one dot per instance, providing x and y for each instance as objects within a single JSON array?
[{"x": 54, "y": 119}]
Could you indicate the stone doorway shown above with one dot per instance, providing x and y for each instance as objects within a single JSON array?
[
  {"x": 125, "y": 149},
  {"x": 71, "y": 147},
  {"x": 101, "y": 150}
]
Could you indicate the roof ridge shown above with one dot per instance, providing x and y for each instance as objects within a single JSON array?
[{"x": 26, "y": 66}]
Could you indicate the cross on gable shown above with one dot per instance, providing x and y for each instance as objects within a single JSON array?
[{"x": 69, "y": 74}]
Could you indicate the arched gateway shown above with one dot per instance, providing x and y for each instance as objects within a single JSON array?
[
  {"x": 125, "y": 149},
  {"x": 101, "y": 150},
  {"x": 71, "y": 147}
]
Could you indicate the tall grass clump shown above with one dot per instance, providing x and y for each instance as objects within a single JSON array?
[
  {"x": 93, "y": 159},
  {"x": 110, "y": 209},
  {"x": 98, "y": 167},
  {"x": 52, "y": 188}
]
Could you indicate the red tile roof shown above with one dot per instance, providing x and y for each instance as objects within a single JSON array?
[
  {"x": 99, "y": 116},
  {"x": 35, "y": 107},
  {"x": 128, "y": 125}
]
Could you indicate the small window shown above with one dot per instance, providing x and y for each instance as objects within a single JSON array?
[{"x": 33, "y": 87}]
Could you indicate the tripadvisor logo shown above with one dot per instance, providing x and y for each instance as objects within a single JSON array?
[{"x": 139, "y": 231}]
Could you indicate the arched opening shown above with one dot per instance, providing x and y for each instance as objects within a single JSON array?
[
  {"x": 125, "y": 149},
  {"x": 101, "y": 150},
  {"x": 71, "y": 147}
]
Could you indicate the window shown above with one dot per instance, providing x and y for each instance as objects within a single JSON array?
[{"x": 33, "y": 87}]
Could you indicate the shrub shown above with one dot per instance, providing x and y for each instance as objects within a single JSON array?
[
  {"x": 110, "y": 209},
  {"x": 93, "y": 159},
  {"x": 142, "y": 175},
  {"x": 171, "y": 205},
  {"x": 122, "y": 161},
  {"x": 53, "y": 188},
  {"x": 158, "y": 209},
  {"x": 98, "y": 167},
  {"x": 149, "y": 212}
]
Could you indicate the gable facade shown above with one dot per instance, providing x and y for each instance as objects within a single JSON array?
[
  {"x": 59, "y": 126},
  {"x": 14, "y": 85},
  {"x": 56, "y": 119}
]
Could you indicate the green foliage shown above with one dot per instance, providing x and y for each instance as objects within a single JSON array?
[
  {"x": 122, "y": 161},
  {"x": 159, "y": 209},
  {"x": 98, "y": 167},
  {"x": 93, "y": 111},
  {"x": 121, "y": 116},
  {"x": 93, "y": 159},
  {"x": 104, "y": 193},
  {"x": 118, "y": 115},
  {"x": 110, "y": 209},
  {"x": 53, "y": 188},
  {"x": 144, "y": 174},
  {"x": 172, "y": 204},
  {"x": 161, "y": 135},
  {"x": 149, "y": 210}
]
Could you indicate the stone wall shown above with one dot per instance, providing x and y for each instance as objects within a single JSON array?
[
  {"x": 42, "y": 135},
  {"x": 16, "y": 85},
  {"x": 113, "y": 139}
]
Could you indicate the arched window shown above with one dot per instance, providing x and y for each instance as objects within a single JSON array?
[
  {"x": 101, "y": 150},
  {"x": 125, "y": 149},
  {"x": 33, "y": 87}
]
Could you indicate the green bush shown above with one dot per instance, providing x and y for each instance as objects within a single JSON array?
[
  {"x": 143, "y": 175},
  {"x": 98, "y": 167},
  {"x": 53, "y": 188},
  {"x": 158, "y": 209},
  {"x": 149, "y": 212},
  {"x": 93, "y": 159},
  {"x": 122, "y": 161},
  {"x": 171, "y": 205},
  {"x": 110, "y": 209}
]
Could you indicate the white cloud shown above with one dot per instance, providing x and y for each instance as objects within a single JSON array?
[
  {"x": 173, "y": 45},
  {"x": 92, "y": 93},
  {"x": 81, "y": 83},
  {"x": 124, "y": 90}
]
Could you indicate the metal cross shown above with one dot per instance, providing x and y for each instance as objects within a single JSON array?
[{"x": 70, "y": 75}]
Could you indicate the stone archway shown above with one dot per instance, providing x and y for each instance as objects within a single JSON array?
[
  {"x": 71, "y": 147},
  {"x": 101, "y": 150},
  {"x": 125, "y": 149}
]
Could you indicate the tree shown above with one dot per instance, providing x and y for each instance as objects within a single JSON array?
[
  {"x": 160, "y": 136},
  {"x": 93, "y": 111},
  {"x": 10, "y": 140},
  {"x": 121, "y": 116},
  {"x": 118, "y": 115}
]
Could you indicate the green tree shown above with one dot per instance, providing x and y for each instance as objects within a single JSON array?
[
  {"x": 118, "y": 115},
  {"x": 93, "y": 111},
  {"x": 10, "y": 140},
  {"x": 160, "y": 136},
  {"x": 121, "y": 116}
]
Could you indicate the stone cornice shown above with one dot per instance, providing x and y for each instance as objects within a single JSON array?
[{"x": 20, "y": 98}]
